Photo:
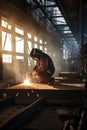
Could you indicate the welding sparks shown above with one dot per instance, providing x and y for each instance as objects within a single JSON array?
[{"x": 26, "y": 82}]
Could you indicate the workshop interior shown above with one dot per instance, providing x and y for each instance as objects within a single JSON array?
[{"x": 58, "y": 29}]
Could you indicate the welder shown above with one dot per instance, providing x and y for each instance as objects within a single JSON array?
[{"x": 44, "y": 68}]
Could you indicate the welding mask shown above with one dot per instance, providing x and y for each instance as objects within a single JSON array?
[{"x": 35, "y": 53}]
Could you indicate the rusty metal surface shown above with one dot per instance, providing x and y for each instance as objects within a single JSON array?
[
  {"x": 59, "y": 86},
  {"x": 14, "y": 115},
  {"x": 38, "y": 109},
  {"x": 33, "y": 86}
]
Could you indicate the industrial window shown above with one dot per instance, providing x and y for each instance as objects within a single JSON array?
[
  {"x": 35, "y": 39},
  {"x": 20, "y": 57},
  {"x": 67, "y": 31},
  {"x": 40, "y": 41},
  {"x": 13, "y": 37},
  {"x": 65, "y": 52},
  {"x": 18, "y": 30},
  {"x": 35, "y": 45},
  {"x": 45, "y": 49},
  {"x": 6, "y": 41},
  {"x": 5, "y": 24},
  {"x": 60, "y": 20},
  {"x": 7, "y": 58},
  {"x": 41, "y": 48},
  {"x": 45, "y": 42},
  {"x": 56, "y": 12},
  {"x": 29, "y": 46},
  {"x": 29, "y": 35},
  {"x": 19, "y": 43}
]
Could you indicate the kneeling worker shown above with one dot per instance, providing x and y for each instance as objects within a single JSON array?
[{"x": 44, "y": 68}]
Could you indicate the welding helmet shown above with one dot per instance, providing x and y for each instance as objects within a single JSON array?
[{"x": 35, "y": 53}]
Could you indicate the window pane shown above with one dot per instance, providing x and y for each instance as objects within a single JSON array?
[
  {"x": 19, "y": 57},
  {"x": 7, "y": 58},
  {"x": 40, "y": 41},
  {"x": 45, "y": 42},
  {"x": 18, "y": 30},
  {"x": 41, "y": 48},
  {"x": 29, "y": 46},
  {"x": 19, "y": 44},
  {"x": 29, "y": 35},
  {"x": 5, "y": 24},
  {"x": 35, "y": 45},
  {"x": 45, "y": 49},
  {"x": 35, "y": 39},
  {"x": 65, "y": 52},
  {"x": 6, "y": 41}
]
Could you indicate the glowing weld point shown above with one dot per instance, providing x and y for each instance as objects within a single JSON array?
[{"x": 26, "y": 82}]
